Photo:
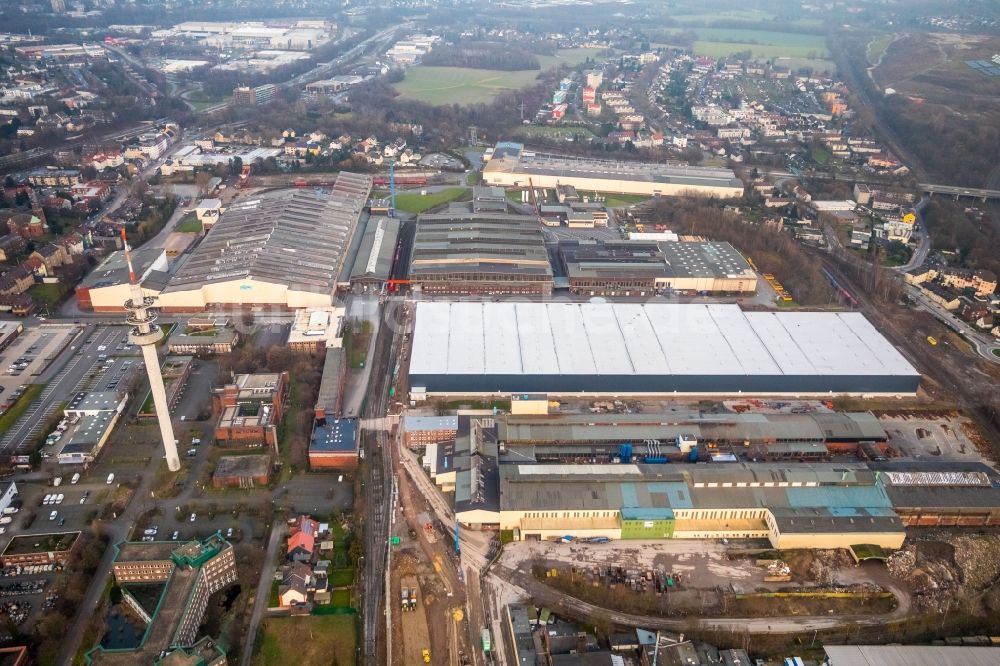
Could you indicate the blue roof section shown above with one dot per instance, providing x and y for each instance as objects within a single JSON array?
[
  {"x": 676, "y": 493},
  {"x": 839, "y": 497},
  {"x": 629, "y": 495},
  {"x": 338, "y": 435},
  {"x": 636, "y": 513}
]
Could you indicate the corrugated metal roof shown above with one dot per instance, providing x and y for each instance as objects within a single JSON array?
[{"x": 911, "y": 655}]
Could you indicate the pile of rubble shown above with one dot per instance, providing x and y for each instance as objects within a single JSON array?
[
  {"x": 978, "y": 558},
  {"x": 820, "y": 572},
  {"x": 901, "y": 563},
  {"x": 778, "y": 568}
]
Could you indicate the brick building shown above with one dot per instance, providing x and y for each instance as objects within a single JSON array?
[{"x": 250, "y": 409}]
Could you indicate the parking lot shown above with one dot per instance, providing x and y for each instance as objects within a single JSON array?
[{"x": 31, "y": 352}]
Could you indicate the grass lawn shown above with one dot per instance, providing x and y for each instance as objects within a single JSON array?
[
  {"x": 571, "y": 57},
  {"x": 622, "y": 200},
  {"x": 721, "y": 42},
  {"x": 340, "y": 598},
  {"x": 820, "y": 155},
  {"x": 356, "y": 339},
  {"x": 418, "y": 203},
  {"x": 202, "y": 105},
  {"x": 17, "y": 410},
  {"x": 341, "y": 577},
  {"x": 466, "y": 85},
  {"x": 460, "y": 85},
  {"x": 189, "y": 225},
  {"x": 50, "y": 294},
  {"x": 996, "y": 352},
  {"x": 725, "y": 49},
  {"x": 877, "y": 48},
  {"x": 272, "y": 599},
  {"x": 311, "y": 640}
]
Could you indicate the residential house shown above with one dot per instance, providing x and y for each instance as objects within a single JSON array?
[
  {"x": 52, "y": 256},
  {"x": 302, "y": 539},
  {"x": 16, "y": 281},
  {"x": 296, "y": 582},
  {"x": 73, "y": 242},
  {"x": 10, "y": 246},
  {"x": 18, "y": 305}
]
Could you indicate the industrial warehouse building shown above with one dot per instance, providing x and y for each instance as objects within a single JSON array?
[
  {"x": 621, "y": 349},
  {"x": 942, "y": 493},
  {"x": 106, "y": 288},
  {"x": 479, "y": 253},
  {"x": 373, "y": 260},
  {"x": 799, "y": 506},
  {"x": 282, "y": 249},
  {"x": 644, "y": 268},
  {"x": 512, "y": 166},
  {"x": 682, "y": 436}
]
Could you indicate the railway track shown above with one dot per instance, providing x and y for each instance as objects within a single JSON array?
[{"x": 377, "y": 494}]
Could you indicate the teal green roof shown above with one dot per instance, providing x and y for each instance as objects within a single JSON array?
[
  {"x": 638, "y": 513},
  {"x": 839, "y": 497}
]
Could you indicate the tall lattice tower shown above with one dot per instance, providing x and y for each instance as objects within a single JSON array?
[{"x": 146, "y": 333}]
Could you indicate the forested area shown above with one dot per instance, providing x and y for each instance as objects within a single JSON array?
[
  {"x": 483, "y": 55},
  {"x": 952, "y": 230},
  {"x": 952, "y": 151}
]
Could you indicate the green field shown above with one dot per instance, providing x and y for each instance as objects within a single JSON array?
[
  {"x": 721, "y": 42},
  {"x": 570, "y": 57},
  {"x": 820, "y": 155},
  {"x": 417, "y": 203},
  {"x": 463, "y": 85},
  {"x": 188, "y": 225},
  {"x": 746, "y": 16},
  {"x": 623, "y": 200},
  {"x": 311, "y": 640},
  {"x": 877, "y": 48}
]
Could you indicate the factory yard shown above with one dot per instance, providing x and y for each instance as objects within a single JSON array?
[
  {"x": 710, "y": 578},
  {"x": 941, "y": 437}
]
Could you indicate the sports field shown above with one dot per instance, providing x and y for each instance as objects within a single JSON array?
[{"x": 463, "y": 85}]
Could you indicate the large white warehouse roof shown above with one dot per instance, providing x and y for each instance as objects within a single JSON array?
[{"x": 652, "y": 340}]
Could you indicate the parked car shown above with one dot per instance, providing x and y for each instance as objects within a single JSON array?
[
  {"x": 111, "y": 478},
  {"x": 52, "y": 516},
  {"x": 194, "y": 517}
]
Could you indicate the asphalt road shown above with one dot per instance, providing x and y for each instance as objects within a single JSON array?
[{"x": 263, "y": 591}]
